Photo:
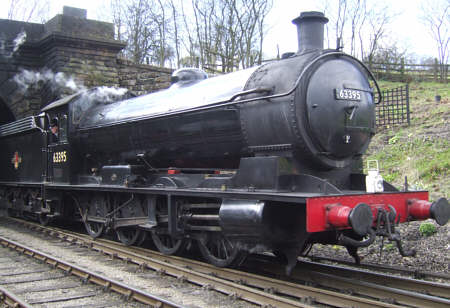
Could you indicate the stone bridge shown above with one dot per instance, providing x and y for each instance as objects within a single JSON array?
[{"x": 71, "y": 44}]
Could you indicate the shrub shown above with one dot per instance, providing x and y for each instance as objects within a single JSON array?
[
  {"x": 427, "y": 229},
  {"x": 389, "y": 246}
]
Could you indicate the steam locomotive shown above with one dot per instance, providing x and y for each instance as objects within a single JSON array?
[{"x": 263, "y": 159}]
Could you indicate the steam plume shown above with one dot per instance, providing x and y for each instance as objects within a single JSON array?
[
  {"x": 59, "y": 81},
  {"x": 9, "y": 51},
  {"x": 19, "y": 40},
  {"x": 106, "y": 94},
  {"x": 27, "y": 79}
]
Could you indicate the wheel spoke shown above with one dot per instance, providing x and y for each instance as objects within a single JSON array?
[{"x": 225, "y": 249}]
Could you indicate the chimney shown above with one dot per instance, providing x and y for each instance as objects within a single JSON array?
[
  {"x": 310, "y": 30},
  {"x": 75, "y": 12}
]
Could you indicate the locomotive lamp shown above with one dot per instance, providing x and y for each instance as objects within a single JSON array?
[{"x": 374, "y": 181}]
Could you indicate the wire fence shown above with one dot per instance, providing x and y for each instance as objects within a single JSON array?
[{"x": 393, "y": 109}]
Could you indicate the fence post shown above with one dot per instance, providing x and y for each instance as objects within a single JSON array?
[
  {"x": 436, "y": 69},
  {"x": 407, "y": 104},
  {"x": 402, "y": 69},
  {"x": 446, "y": 72}
]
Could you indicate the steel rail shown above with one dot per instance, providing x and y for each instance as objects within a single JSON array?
[
  {"x": 406, "y": 283},
  {"x": 89, "y": 276},
  {"x": 418, "y": 274},
  {"x": 183, "y": 273},
  {"x": 244, "y": 285},
  {"x": 405, "y": 291},
  {"x": 408, "y": 291},
  {"x": 12, "y": 300}
]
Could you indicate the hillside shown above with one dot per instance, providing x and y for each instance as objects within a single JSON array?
[{"x": 421, "y": 151}]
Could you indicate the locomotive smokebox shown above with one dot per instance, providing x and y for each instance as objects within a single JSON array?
[{"x": 310, "y": 30}]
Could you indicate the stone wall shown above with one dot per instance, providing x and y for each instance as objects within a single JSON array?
[
  {"x": 11, "y": 63},
  {"x": 76, "y": 46},
  {"x": 142, "y": 79}
]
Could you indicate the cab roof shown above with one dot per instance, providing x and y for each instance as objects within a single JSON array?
[{"x": 61, "y": 102}]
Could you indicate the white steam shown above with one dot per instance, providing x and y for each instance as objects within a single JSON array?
[
  {"x": 19, "y": 40},
  {"x": 9, "y": 51},
  {"x": 106, "y": 94},
  {"x": 60, "y": 82},
  {"x": 57, "y": 82}
]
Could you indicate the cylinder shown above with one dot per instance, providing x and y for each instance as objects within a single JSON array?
[{"x": 242, "y": 218}]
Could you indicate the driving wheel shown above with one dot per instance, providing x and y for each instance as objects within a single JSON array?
[
  {"x": 44, "y": 219},
  {"x": 127, "y": 209},
  {"x": 97, "y": 209},
  {"x": 166, "y": 244},
  {"x": 220, "y": 251},
  {"x": 129, "y": 235}
]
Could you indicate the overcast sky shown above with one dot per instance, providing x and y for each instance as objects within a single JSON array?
[{"x": 406, "y": 30}]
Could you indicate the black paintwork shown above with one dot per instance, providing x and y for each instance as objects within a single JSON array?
[
  {"x": 186, "y": 128},
  {"x": 279, "y": 129},
  {"x": 22, "y": 144}
]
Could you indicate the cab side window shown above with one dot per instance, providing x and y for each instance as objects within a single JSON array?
[
  {"x": 58, "y": 128},
  {"x": 54, "y": 130},
  {"x": 62, "y": 128}
]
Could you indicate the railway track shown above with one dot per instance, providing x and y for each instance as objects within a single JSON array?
[
  {"x": 417, "y": 274},
  {"x": 50, "y": 281},
  {"x": 388, "y": 288},
  {"x": 311, "y": 285}
]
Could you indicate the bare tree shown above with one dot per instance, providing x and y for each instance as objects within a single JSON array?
[
  {"x": 341, "y": 21},
  {"x": 358, "y": 15},
  {"x": 359, "y": 25},
  {"x": 337, "y": 12},
  {"x": 217, "y": 35},
  {"x": 250, "y": 15},
  {"x": 176, "y": 38},
  {"x": 229, "y": 33},
  {"x": 436, "y": 16},
  {"x": 140, "y": 30},
  {"x": 190, "y": 43},
  {"x": 145, "y": 26},
  {"x": 28, "y": 10},
  {"x": 162, "y": 51},
  {"x": 117, "y": 13},
  {"x": 370, "y": 41},
  {"x": 205, "y": 24}
]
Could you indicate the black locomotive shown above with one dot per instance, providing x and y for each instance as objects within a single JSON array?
[{"x": 267, "y": 158}]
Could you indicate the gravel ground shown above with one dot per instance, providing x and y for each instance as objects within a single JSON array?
[
  {"x": 432, "y": 255},
  {"x": 184, "y": 294},
  {"x": 433, "y": 252}
]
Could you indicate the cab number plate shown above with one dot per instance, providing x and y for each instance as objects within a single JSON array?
[
  {"x": 348, "y": 94},
  {"x": 60, "y": 157}
]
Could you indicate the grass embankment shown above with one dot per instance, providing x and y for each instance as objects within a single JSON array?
[{"x": 421, "y": 151}]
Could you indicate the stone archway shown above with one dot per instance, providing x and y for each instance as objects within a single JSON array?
[{"x": 6, "y": 114}]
